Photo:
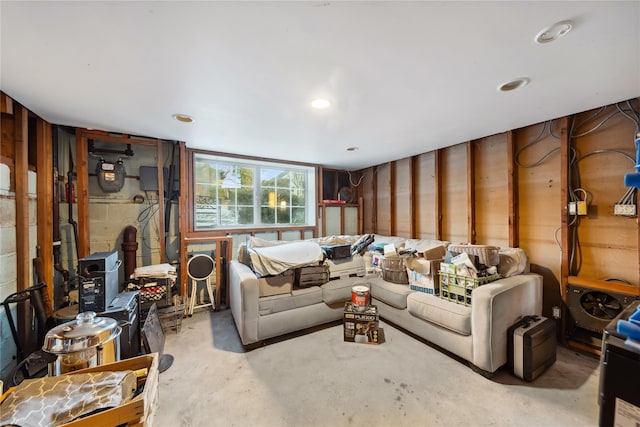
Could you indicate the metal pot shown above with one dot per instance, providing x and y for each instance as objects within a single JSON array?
[{"x": 82, "y": 343}]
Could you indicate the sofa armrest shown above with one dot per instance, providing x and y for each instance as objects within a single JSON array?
[
  {"x": 496, "y": 306},
  {"x": 244, "y": 294}
]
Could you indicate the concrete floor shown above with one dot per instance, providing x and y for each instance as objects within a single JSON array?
[{"x": 316, "y": 379}]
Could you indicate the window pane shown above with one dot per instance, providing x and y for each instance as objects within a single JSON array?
[
  {"x": 283, "y": 215},
  {"x": 245, "y": 196},
  {"x": 298, "y": 215},
  {"x": 227, "y": 196},
  {"x": 246, "y": 176},
  {"x": 283, "y": 198},
  {"x": 268, "y": 177},
  {"x": 267, "y": 215},
  {"x": 245, "y": 215},
  {"x": 283, "y": 179},
  {"x": 228, "y": 215}
]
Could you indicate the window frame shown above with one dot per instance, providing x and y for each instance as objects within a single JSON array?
[{"x": 311, "y": 192}]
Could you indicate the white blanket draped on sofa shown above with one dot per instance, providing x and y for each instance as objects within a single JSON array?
[{"x": 272, "y": 260}]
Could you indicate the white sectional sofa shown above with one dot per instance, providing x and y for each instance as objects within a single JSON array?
[{"x": 476, "y": 333}]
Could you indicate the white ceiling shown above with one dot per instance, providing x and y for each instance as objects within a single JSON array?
[{"x": 404, "y": 77}]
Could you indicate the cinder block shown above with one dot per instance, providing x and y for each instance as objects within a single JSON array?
[
  {"x": 7, "y": 288},
  {"x": 7, "y": 212},
  {"x": 7, "y": 240},
  {"x": 32, "y": 179},
  {"x": 33, "y": 211},
  {"x": 5, "y": 179},
  {"x": 98, "y": 212}
]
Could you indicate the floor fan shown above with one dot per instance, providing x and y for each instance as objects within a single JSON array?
[{"x": 200, "y": 267}]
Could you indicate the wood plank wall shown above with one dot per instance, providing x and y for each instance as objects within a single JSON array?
[
  {"x": 454, "y": 194},
  {"x": 502, "y": 203},
  {"x": 425, "y": 191},
  {"x": 491, "y": 191}
]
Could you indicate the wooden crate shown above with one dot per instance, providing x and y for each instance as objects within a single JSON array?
[
  {"x": 139, "y": 411},
  {"x": 313, "y": 275}
]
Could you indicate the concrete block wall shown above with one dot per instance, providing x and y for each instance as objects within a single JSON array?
[
  {"x": 7, "y": 268},
  {"x": 111, "y": 212},
  {"x": 8, "y": 259}
]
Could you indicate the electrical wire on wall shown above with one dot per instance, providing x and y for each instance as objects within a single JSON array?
[
  {"x": 168, "y": 161},
  {"x": 145, "y": 217},
  {"x": 351, "y": 180},
  {"x": 625, "y": 109},
  {"x": 575, "y": 192},
  {"x": 546, "y": 126}
]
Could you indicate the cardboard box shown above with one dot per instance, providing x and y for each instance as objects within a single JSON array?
[
  {"x": 448, "y": 268},
  {"x": 434, "y": 253},
  {"x": 376, "y": 260},
  {"x": 362, "y": 326},
  {"x": 276, "y": 285},
  {"x": 423, "y": 275}
]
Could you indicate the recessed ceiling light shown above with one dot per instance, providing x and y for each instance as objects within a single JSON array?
[
  {"x": 554, "y": 32},
  {"x": 320, "y": 103},
  {"x": 513, "y": 84},
  {"x": 183, "y": 118},
  {"x": 353, "y": 148}
]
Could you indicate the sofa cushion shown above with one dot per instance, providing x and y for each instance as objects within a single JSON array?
[
  {"x": 296, "y": 299},
  {"x": 340, "y": 290},
  {"x": 390, "y": 293},
  {"x": 447, "y": 314}
]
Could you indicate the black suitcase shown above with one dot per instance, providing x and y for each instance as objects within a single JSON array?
[
  {"x": 531, "y": 346},
  {"x": 337, "y": 251}
]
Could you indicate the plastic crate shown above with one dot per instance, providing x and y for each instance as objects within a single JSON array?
[
  {"x": 425, "y": 290},
  {"x": 171, "y": 317},
  {"x": 458, "y": 289}
]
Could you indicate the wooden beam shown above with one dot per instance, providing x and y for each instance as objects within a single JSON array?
[
  {"x": 6, "y": 104},
  {"x": 512, "y": 188},
  {"x": 471, "y": 192},
  {"x": 323, "y": 208},
  {"x": 319, "y": 197},
  {"x": 82, "y": 193},
  {"x": 360, "y": 215},
  {"x": 565, "y": 146},
  {"x": 183, "y": 216},
  {"x": 612, "y": 286},
  {"x": 23, "y": 261},
  {"x": 392, "y": 199},
  {"x": 116, "y": 137},
  {"x": 44, "y": 147},
  {"x": 413, "y": 198},
  {"x": 438, "y": 193},
  {"x": 161, "y": 207},
  {"x": 374, "y": 199}
]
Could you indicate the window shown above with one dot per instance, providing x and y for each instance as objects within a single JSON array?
[{"x": 235, "y": 193}]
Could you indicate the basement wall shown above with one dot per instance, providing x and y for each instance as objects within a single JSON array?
[
  {"x": 475, "y": 205},
  {"x": 8, "y": 273},
  {"x": 111, "y": 212}
]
